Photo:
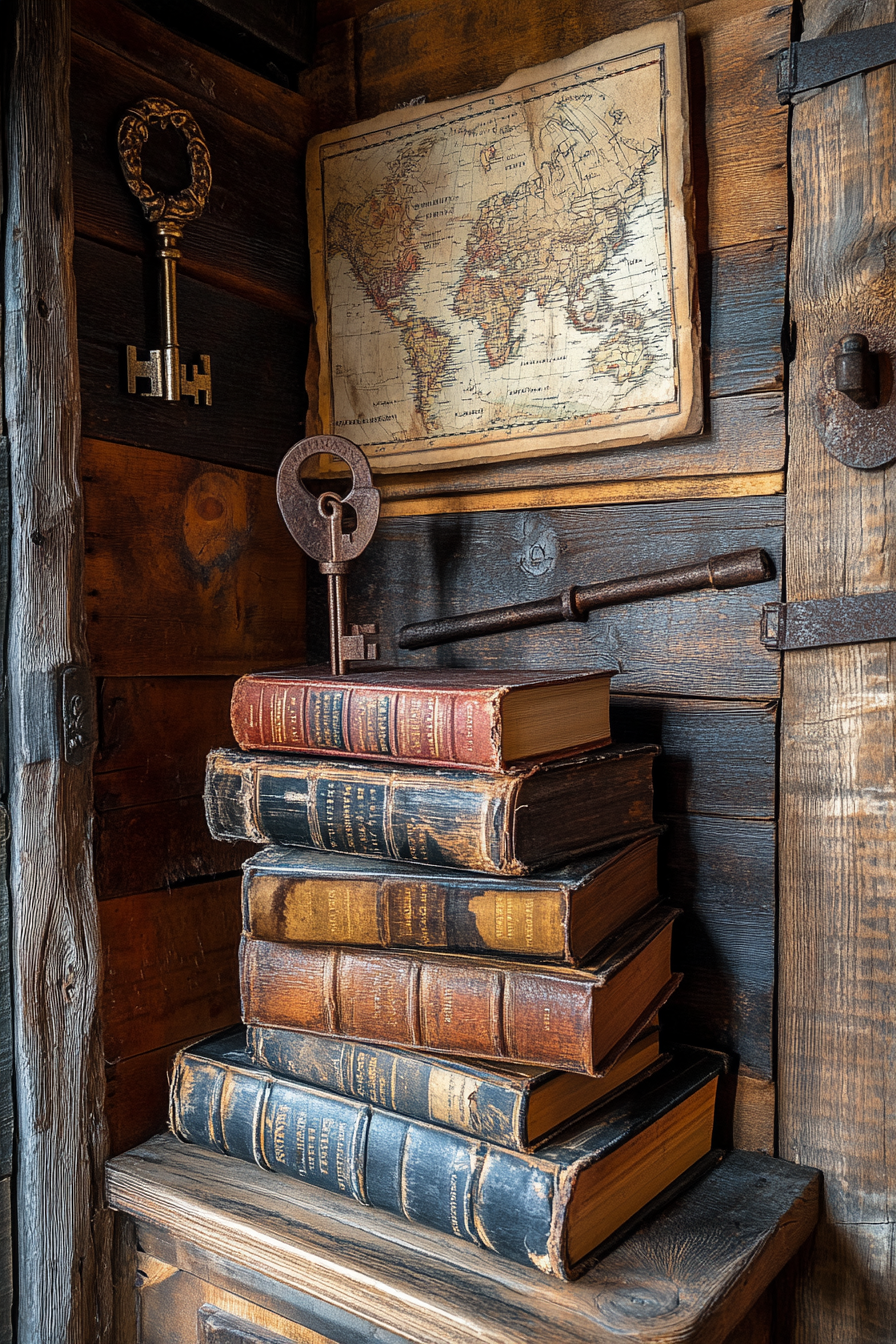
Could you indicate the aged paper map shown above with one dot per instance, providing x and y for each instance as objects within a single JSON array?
[{"x": 510, "y": 273}]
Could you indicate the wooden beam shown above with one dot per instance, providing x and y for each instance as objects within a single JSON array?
[
  {"x": 837, "y": 1012},
  {"x": 63, "y": 1232}
]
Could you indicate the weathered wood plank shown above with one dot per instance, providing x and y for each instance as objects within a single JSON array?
[
  {"x": 754, "y": 1114},
  {"x": 688, "y": 1274},
  {"x": 844, "y": 1279},
  {"x": 722, "y": 873},
  {"x": 137, "y": 1097},
  {"x": 249, "y": 239},
  {"x": 155, "y": 733},
  {"x": 169, "y": 966},
  {"x": 702, "y": 644},
  {"x": 718, "y": 756},
  {"x": 197, "y": 72},
  {"x": 177, "y": 1308},
  {"x": 381, "y": 57},
  {"x": 63, "y": 1236},
  {"x": 257, "y": 360},
  {"x": 743, "y": 435},
  {"x": 7, "y": 1267},
  {"x": 159, "y": 845},
  {"x": 190, "y": 570},
  {"x": 838, "y": 763},
  {"x": 742, "y": 309}
]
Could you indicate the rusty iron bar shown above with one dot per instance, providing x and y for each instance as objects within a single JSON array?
[{"x": 735, "y": 570}]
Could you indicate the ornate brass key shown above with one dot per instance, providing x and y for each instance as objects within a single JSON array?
[
  {"x": 167, "y": 376},
  {"x": 316, "y": 524}
]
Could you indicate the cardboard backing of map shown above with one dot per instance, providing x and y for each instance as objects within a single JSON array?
[{"x": 512, "y": 272}]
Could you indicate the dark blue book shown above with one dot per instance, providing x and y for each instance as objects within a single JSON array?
[{"x": 552, "y": 1209}]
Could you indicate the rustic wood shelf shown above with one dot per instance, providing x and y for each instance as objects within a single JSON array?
[{"x": 689, "y": 1274}]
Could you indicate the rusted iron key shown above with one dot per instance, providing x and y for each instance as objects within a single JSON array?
[{"x": 316, "y": 524}]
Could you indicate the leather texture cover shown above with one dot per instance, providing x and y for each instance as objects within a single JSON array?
[{"x": 513, "y": 1203}]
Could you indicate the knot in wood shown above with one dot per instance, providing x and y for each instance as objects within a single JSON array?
[{"x": 645, "y": 1300}]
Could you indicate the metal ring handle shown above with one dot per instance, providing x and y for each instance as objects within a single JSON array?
[{"x": 172, "y": 212}]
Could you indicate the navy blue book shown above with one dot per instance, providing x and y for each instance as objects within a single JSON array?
[{"x": 551, "y": 1209}]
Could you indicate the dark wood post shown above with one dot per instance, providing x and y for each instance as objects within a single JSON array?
[{"x": 62, "y": 1231}]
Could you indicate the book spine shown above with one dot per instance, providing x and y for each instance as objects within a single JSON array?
[
  {"x": 397, "y": 814},
  {"x": 429, "y": 1003},
  {"x": 446, "y": 915},
  {"x": 412, "y": 1085},
  {"x": 429, "y": 726},
  {"x": 429, "y": 1176}
]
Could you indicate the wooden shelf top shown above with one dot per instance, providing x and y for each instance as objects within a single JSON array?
[{"x": 688, "y": 1274}]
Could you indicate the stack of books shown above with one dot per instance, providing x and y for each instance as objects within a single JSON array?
[{"x": 453, "y": 957}]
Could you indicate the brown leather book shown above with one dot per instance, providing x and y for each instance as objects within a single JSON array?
[
  {"x": 422, "y": 716},
  {"x": 559, "y": 914},
  {"x": 580, "y": 1020}
]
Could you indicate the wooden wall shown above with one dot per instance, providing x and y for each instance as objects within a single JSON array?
[
  {"x": 190, "y": 575},
  {"x": 692, "y": 672}
]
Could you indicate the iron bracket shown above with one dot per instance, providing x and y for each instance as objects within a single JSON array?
[
  {"x": 863, "y": 618},
  {"x": 78, "y": 712},
  {"x": 806, "y": 66}
]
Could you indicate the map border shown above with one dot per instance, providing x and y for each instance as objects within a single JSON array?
[{"x": 638, "y": 424}]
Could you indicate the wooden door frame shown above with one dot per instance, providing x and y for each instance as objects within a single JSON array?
[{"x": 63, "y": 1231}]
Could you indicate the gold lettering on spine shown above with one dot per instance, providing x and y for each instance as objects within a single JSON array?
[
  {"x": 323, "y": 1151},
  {"x": 302, "y": 1141},
  {"x": 341, "y": 1174},
  {"x": 281, "y": 1122},
  {"x": 452, "y": 1206}
]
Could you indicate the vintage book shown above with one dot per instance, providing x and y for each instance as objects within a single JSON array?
[
  {"x": 510, "y": 823},
  {"x": 579, "y": 1020},
  {"x": 516, "y": 264},
  {"x": 517, "y": 1105},
  {"x": 561, "y": 914},
  {"x": 550, "y": 1209},
  {"x": 422, "y": 716}
]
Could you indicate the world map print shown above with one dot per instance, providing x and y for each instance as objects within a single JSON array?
[{"x": 499, "y": 274}]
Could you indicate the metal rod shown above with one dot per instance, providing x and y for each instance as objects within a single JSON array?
[
  {"x": 168, "y": 255},
  {"x": 734, "y": 570}
]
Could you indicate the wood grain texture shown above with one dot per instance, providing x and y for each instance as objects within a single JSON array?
[
  {"x": 7, "y": 1081},
  {"x": 689, "y": 1274},
  {"x": 189, "y": 568},
  {"x": 842, "y": 1283},
  {"x": 178, "y": 1308},
  {"x": 742, "y": 310},
  {"x": 158, "y": 845},
  {"x": 257, "y": 362},
  {"x": 722, "y": 873},
  {"x": 154, "y": 736},
  {"x": 743, "y": 435},
  {"x": 169, "y": 966},
  {"x": 63, "y": 1241},
  {"x": 7, "y": 1264},
  {"x": 249, "y": 238},
  {"x": 702, "y": 644},
  {"x": 838, "y": 763},
  {"x": 196, "y": 71},
  {"x": 754, "y": 1114},
  {"x": 137, "y": 1097},
  {"x": 606, "y": 492},
  {"x": 718, "y": 755},
  {"x": 378, "y": 58}
]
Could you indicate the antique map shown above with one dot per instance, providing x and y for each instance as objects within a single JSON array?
[{"x": 510, "y": 273}]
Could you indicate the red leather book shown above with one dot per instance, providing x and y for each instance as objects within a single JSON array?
[{"x": 443, "y": 716}]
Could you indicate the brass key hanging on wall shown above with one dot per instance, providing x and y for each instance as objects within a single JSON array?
[{"x": 166, "y": 375}]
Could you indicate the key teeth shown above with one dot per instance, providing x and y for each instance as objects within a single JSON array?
[
  {"x": 200, "y": 383},
  {"x": 356, "y": 647}
]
